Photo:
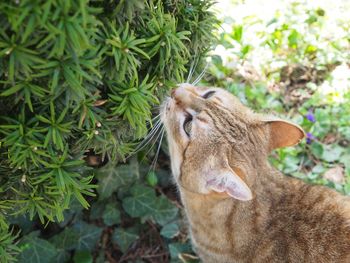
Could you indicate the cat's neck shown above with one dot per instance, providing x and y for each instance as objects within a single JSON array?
[
  {"x": 266, "y": 180},
  {"x": 212, "y": 214}
]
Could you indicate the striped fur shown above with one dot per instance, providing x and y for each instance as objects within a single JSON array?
[{"x": 285, "y": 221}]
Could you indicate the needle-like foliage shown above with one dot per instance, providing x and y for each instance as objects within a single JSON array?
[{"x": 81, "y": 76}]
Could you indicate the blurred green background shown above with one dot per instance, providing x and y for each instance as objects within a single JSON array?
[{"x": 287, "y": 58}]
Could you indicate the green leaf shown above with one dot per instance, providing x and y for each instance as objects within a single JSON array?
[
  {"x": 11, "y": 90},
  {"x": 177, "y": 248},
  {"x": 97, "y": 209},
  {"x": 72, "y": 214},
  {"x": 111, "y": 178},
  {"x": 170, "y": 230},
  {"x": 165, "y": 211},
  {"x": 66, "y": 240},
  {"x": 82, "y": 257},
  {"x": 317, "y": 149},
  {"x": 124, "y": 237},
  {"x": 151, "y": 178},
  {"x": 345, "y": 159},
  {"x": 293, "y": 39},
  {"x": 36, "y": 250},
  {"x": 331, "y": 154},
  {"x": 88, "y": 235},
  {"x": 237, "y": 33},
  {"x": 142, "y": 201},
  {"x": 23, "y": 222},
  {"x": 291, "y": 164},
  {"x": 111, "y": 215},
  {"x": 62, "y": 256}
]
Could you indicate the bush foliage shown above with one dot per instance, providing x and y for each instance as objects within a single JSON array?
[{"x": 78, "y": 81}]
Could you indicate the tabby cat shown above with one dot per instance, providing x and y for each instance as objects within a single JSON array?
[{"x": 239, "y": 208}]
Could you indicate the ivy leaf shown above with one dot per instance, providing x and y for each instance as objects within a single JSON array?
[
  {"x": 88, "y": 235},
  {"x": 142, "y": 201},
  {"x": 177, "y": 248},
  {"x": 170, "y": 230},
  {"x": 23, "y": 222},
  {"x": 96, "y": 210},
  {"x": 66, "y": 240},
  {"x": 73, "y": 213},
  {"x": 124, "y": 237},
  {"x": 111, "y": 215},
  {"x": 36, "y": 250},
  {"x": 165, "y": 211},
  {"x": 111, "y": 178},
  {"x": 62, "y": 256}
]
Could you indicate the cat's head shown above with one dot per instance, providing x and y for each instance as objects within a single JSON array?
[{"x": 216, "y": 143}]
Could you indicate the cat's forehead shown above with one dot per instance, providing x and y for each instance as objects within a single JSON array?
[
  {"x": 201, "y": 89},
  {"x": 221, "y": 96}
]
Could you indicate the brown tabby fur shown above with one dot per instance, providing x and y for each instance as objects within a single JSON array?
[{"x": 285, "y": 221}]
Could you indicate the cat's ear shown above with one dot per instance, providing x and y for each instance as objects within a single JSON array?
[
  {"x": 284, "y": 133},
  {"x": 228, "y": 181}
]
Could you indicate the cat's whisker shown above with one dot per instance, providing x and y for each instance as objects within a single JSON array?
[
  {"x": 153, "y": 165},
  {"x": 147, "y": 139},
  {"x": 192, "y": 69},
  {"x": 155, "y": 141},
  {"x": 151, "y": 134},
  {"x": 155, "y": 119},
  {"x": 199, "y": 78},
  {"x": 189, "y": 74},
  {"x": 152, "y": 127}
]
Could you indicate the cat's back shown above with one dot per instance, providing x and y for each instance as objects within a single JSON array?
[
  {"x": 302, "y": 223},
  {"x": 308, "y": 223},
  {"x": 295, "y": 222}
]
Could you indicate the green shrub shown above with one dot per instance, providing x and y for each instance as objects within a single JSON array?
[{"x": 83, "y": 76}]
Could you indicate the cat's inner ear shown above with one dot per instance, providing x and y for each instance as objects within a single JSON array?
[
  {"x": 284, "y": 133},
  {"x": 229, "y": 182}
]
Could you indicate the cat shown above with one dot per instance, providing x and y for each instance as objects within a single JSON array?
[{"x": 239, "y": 208}]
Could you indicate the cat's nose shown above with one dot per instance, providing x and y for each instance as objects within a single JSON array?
[
  {"x": 179, "y": 94},
  {"x": 187, "y": 97},
  {"x": 183, "y": 92}
]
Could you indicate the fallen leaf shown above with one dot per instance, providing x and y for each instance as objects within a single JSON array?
[
  {"x": 99, "y": 102},
  {"x": 330, "y": 138},
  {"x": 335, "y": 174}
]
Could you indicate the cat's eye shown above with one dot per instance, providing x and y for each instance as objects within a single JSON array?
[
  {"x": 208, "y": 94},
  {"x": 188, "y": 125}
]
